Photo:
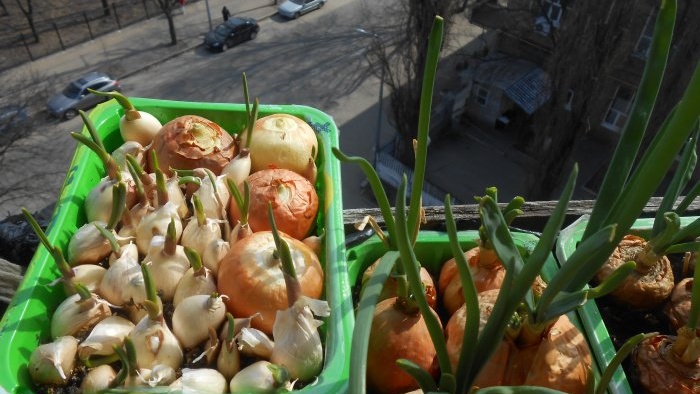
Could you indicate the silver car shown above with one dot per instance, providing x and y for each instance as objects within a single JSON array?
[
  {"x": 76, "y": 96},
  {"x": 292, "y": 9}
]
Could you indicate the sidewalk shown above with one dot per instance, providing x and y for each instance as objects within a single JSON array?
[{"x": 135, "y": 48}]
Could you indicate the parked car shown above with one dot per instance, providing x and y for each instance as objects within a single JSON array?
[
  {"x": 292, "y": 9},
  {"x": 76, "y": 96},
  {"x": 231, "y": 33}
]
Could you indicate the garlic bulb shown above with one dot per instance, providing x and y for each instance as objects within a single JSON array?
[
  {"x": 53, "y": 363},
  {"x": 104, "y": 336},
  {"x": 260, "y": 378},
  {"x": 78, "y": 314},
  {"x": 98, "y": 379},
  {"x": 206, "y": 311},
  {"x": 297, "y": 342},
  {"x": 201, "y": 380}
]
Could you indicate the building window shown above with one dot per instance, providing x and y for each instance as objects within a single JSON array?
[
  {"x": 481, "y": 95},
  {"x": 552, "y": 9},
  {"x": 641, "y": 50},
  {"x": 619, "y": 109}
]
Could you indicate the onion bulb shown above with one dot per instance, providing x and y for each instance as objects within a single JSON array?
[
  {"x": 390, "y": 285},
  {"x": 188, "y": 142},
  {"x": 251, "y": 276},
  {"x": 281, "y": 141},
  {"x": 52, "y": 363},
  {"x": 294, "y": 202}
]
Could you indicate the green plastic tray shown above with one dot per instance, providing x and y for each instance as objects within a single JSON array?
[
  {"x": 595, "y": 327},
  {"x": 26, "y": 321},
  {"x": 433, "y": 250}
]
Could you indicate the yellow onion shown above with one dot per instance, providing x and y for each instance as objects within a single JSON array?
[
  {"x": 251, "y": 276},
  {"x": 188, "y": 142},
  {"x": 294, "y": 202},
  {"x": 281, "y": 141}
]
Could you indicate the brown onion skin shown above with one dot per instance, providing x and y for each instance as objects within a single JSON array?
[
  {"x": 677, "y": 307},
  {"x": 244, "y": 277},
  {"x": 394, "y": 335},
  {"x": 176, "y": 148},
  {"x": 644, "y": 288},
  {"x": 389, "y": 289},
  {"x": 657, "y": 370},
  {"x": 294, "y": 202},
  {"x": 561, "y": 360},
  {"x": 486, "y": 269}
]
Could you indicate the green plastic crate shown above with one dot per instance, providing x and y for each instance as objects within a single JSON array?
[
  {"x": 433, "y": 250},
  {"x": 595, "y": 327},
  {"x": 27, "y": 319}
]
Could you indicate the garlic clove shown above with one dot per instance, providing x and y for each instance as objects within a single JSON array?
[
  {"x": 156, "y": 223},
  {"x": 206, "y": 310},
  {"x": 98, "y": 379},
  {"x": 297, "y": 341},
  {"x": 214, "y": 253},
  {"x": 78, "y": 314},
  {"x": 123, "y": 281},
  {"x": 159, "y": 375},
  {"x": 133, "y": 148},
  {"x": 89, "y": 275},
  {"x": 193, "y": 284},
  {"x": 261, "y": 377},
  {"x": 155, "y": 344},
  {"x": 167, "y": 269},
  {"x": 255, "y": 343},
  {"x": 104, "y": 336},
  {"x": 87, "y": 245},
  {"x": 201, "y": 380},
  {"x": 53, "y": 363}
]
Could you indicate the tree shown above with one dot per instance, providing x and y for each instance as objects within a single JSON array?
[
  {"x": 28, "y": 11},
  {"x": 399, "y": 54},
  {"x": 593, "y": 44},
  {"x": 167, "y": 6}
]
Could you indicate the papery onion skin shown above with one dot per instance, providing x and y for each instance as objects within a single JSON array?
[
  {"x": 659, "y": 371},
  {"x": 487, "y": 272},
  {"x": 677, "y": 308},
  {"x": 561, "y": 360},
  {"x": 252, "y": 278},
  {"x": 294, "y": 202},
  {"x": 646, "y": 287},
  {"x": 390, "y": 286},
  {"x": 281, "y": 141},
  {"x": 395, "y": 335},
  {"x": 178, "y": 146}
]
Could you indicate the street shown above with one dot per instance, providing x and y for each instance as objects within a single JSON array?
[{"x": 317, "y": 60}]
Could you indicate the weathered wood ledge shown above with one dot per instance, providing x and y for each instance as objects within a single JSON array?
[{"x": 535, "y": 213}]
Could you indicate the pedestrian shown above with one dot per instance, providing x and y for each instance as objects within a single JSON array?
[
  {"x": 182, "y": 5},
  {"x": 226, "y": 13}
]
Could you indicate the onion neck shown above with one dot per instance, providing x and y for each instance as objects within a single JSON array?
[{"x": 687, "y": 345}]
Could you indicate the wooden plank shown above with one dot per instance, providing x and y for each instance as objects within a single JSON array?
[{"x": 10, "y": 277}]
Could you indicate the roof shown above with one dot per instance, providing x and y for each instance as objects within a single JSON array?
[{"x": 522, "y": 81}]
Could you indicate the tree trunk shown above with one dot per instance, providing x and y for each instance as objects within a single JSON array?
[
  {"x": 28, "y": 12},
  {"x": 171, "y": 28},
  {"x": 105, "y": 7}
]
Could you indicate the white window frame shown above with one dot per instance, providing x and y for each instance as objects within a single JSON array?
[
  {"x": 618, "y": 123},
  {"x": 641, "y": 49},
  {"x": 481, "y": 95},
  {"x": 553, "y": 10}
]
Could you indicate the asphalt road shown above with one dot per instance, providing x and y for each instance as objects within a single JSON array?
[{"x": 316, "y": 60}]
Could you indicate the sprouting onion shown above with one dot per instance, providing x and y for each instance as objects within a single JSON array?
[{"x": 134, "y": 125}]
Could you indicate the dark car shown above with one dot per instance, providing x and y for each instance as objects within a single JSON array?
[
  {"x": 76, "y": 96},
  {"x": 230, "y": 33},
  {"x": 13, "y": 120}
]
